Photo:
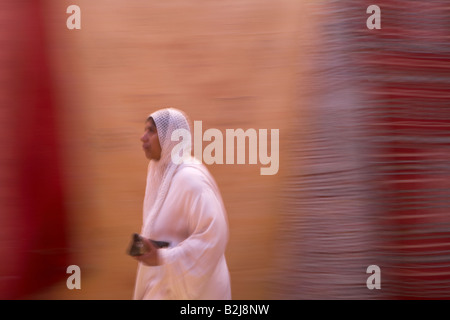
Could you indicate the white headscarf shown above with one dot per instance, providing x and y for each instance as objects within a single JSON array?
[{"x": 160, "y": 172}]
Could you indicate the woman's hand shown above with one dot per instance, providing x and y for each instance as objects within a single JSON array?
[{"x": 151, "y": 257}]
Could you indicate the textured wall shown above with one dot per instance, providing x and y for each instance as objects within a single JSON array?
[{"x": 231, "y": 65}]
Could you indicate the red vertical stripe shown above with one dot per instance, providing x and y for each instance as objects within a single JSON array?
[{"x": 39, "y": 243}]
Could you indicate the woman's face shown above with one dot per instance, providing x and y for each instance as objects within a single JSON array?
[{"x": 150, "y": 141}]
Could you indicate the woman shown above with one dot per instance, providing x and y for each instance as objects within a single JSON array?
[{"x": 182, "y": 206}]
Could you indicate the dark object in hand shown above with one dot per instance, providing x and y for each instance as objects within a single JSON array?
[{"x": 138, "y": 247}]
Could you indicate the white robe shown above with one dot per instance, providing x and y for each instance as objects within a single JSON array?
[{"x": 193, "y": 219}]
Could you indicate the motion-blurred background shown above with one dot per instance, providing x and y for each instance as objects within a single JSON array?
[{"x": 364, "y": 121}]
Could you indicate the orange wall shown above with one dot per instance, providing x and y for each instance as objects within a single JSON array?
[{"x": 231, "y": 64}]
